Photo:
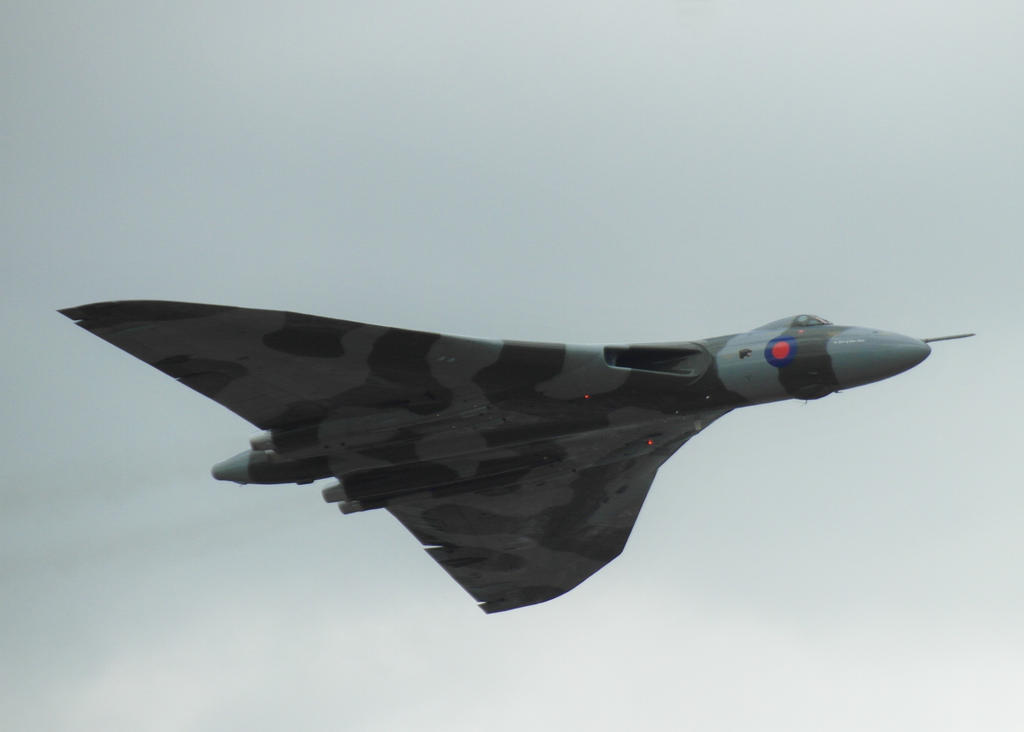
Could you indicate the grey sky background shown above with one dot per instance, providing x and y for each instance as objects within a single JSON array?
[{"x": 589, "y": 172}]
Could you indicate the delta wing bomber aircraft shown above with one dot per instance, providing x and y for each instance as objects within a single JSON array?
[{"x": 521, "y": 467}]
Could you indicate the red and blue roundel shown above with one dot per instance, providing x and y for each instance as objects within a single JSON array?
[{"x": 780, "y": 351}]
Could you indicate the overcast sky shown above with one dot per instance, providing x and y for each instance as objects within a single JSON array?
[{"x": 602, "y": 171}]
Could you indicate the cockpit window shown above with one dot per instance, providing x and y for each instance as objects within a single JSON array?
[
  {"x": 806, "y": 321},
  {"x": 800, "y": 321}
]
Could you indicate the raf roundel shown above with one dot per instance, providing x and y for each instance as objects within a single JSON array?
[{"x": 780, "y": 351}]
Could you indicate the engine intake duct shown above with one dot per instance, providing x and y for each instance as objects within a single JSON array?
[{"x": 688, "y": 359}]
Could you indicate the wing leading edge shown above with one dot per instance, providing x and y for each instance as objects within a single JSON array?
[{"x": 278, "y": 369}]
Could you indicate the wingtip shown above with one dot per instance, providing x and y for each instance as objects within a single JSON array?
[
  {"x": 71, "y": 313},
  {"x": 116, "y": 312}
]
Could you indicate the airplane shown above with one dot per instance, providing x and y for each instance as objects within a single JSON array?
[{"x": 521, "y": 467}]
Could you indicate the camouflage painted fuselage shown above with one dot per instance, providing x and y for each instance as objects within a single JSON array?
[{"x": 521, "y": 466}]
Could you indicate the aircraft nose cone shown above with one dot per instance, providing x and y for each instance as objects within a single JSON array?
[
  {"x": 863, "y": 356},
  {"x": 905, "y": 352}
]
